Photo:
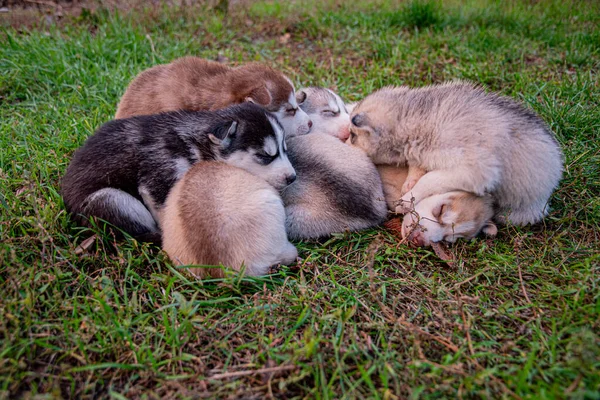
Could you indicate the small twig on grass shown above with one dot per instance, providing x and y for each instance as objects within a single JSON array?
[
  {"x": 235, "y": 374},
  {"x": 483, "y": 271},
  {"x": 575, "y": 384},
  {"x": 533, "y": 307},
  {"x": 415, "y": 329},
  {"x": 466, "y": 327}
]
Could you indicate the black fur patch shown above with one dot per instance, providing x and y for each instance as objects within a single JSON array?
[
  {"x": 126, "y": 153},
  {"x": 350, "y": 199}
]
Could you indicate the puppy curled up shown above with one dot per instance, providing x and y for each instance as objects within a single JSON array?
[
  {"x": 337, "y": 188},
  {"x": 466, "y": 140},
  {"x": 195, "y": 84},
  {"x": 123, "y": 173},
  {"x": 219, "y": 214},
  {"x": 440, "y": 217}
]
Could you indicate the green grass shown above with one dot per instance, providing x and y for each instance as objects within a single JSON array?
[{"x": 361, "y": 316}]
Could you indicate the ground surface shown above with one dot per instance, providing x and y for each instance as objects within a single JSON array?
[{"x": 362, "y": 316}]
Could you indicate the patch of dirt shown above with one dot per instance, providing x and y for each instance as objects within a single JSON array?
[{"x": 24, "y": 14}]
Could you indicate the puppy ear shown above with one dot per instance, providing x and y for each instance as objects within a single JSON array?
[
  {"x": 259, "y": 95},
  {"x": 359, "y": 120},
  {"x": 350, "y": 107},
  {"x": 490, "y": 229},
  {"x": 439, "y": 210},
  {"x": 300, "y": 96},
  {"x": 224, "y": 135}
]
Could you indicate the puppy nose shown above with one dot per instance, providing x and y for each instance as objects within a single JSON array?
[
  {"x": 344, "y": 134},
  {"x": 309, "y": 124},
  {"x": 418, "y": 239},
  {"x": 290, "y": 179}
]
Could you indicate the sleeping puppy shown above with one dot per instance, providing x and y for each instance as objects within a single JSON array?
[
  {"x": 467, "y": 140},
  {"x": 337, "y": 187},
  {"x": 123, "y": 172},
  {"x": 195, "y": 84},
  {"x": 327, "y": 111},
  {"x": 442, "y": 217},
  {"x": 220, "y": 214},
  {"x": 448, "y": 217}
]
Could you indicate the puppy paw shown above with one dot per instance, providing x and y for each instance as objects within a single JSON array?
[
  {"x": 404, "y": 207},
  {"x": 490, "y": 229},
  {"x": 407, "y": 186}
]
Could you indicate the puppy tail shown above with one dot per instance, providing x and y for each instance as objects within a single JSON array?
[{"x": 121, "y": 210}]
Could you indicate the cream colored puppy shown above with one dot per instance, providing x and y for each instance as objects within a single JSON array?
[
  {"x": 443, "y": 217},
  {"x": 219, "y": 214},
  {"x": 467, "y": 140},
  {"x": 448, "y": 217}
]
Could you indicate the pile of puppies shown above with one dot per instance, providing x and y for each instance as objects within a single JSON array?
[{"x": 222, "y": 165}]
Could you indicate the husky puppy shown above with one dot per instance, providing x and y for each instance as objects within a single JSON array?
[
  {"x": 327, "y": 111},
  {"x": 448, "y": 217},
  {"x": 123, "y": 172},
  {"x": 467, "y": 140},
  {"x": 441, "y": 217},
  {"x": 219, "y": 214},
  {"x": 337, "y": 188},
  {"x": 195, "y": 84}
]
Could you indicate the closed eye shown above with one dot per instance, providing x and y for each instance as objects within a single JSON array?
[
  {"x": 265, "y": 158},
  {"x": 439, "y": 211},
  {"x": 291, "y": 111},
  {"x": 330, "y": 113}
]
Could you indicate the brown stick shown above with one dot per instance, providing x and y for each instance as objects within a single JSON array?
[{"x": 252, "y": 372}]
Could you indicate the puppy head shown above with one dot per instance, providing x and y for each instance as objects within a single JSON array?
[
  {"x": 292, "y": 118},
  {"x": 447, "y": 217},
  {"x": 252, "y": 140},
  {"x": 371, "y": 124},
  {"x": 326, "y": 110},
  {"x": 271, "y": 89}
]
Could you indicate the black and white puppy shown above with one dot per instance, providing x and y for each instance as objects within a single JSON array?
[{"x": 123, "y": 173}]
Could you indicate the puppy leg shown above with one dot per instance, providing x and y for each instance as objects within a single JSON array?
[
  {"x": 288, "y": 255},
  {"x": 414, "y": 174},
  {"x": 490, "y": 229},
  {"x": 474, "y": 180},
  {"x": 120, "y": 209}
]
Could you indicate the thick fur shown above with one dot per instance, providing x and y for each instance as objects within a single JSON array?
[
  {"x": 337, "y": 188},
  {"x": 467, "y": 140},
  {"x": 327, "y": 111},
  {"x": 123, "y": 173},
  {"x": 222, "y": 215},
  {"x": 195, "y": 84},
  {"x": 441, "y": 217}
]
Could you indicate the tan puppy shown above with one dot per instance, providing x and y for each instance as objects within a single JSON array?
[
  {"x": 448, "y": 217},
  {"x": 467, "y": 140},
  {"x": 219, "y": 214},
  {"x": 444, "y": 217},
  {"x": 192, "y": 83}
]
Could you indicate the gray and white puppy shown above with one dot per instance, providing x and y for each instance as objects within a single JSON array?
[
  {"x": 337, "y": 187},
  {"x": 464, "y": 139},
  {"x": 327, "y": 111},
  {"x": 123, "y": 173}
]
